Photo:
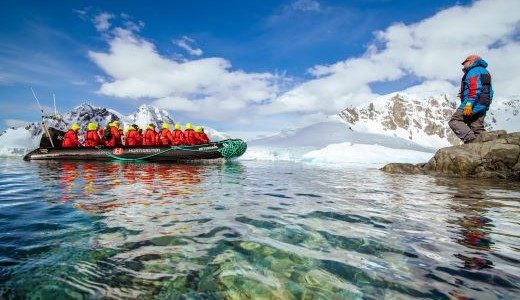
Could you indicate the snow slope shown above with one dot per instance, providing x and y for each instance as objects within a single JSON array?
[
  {"x": 332, "y": 143},
  {"x": 321, "y": 134},
  {"x": 364, "y": 155},
  {"x": 17, "y": 141}
]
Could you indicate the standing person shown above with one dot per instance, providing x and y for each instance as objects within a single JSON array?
[
  {"x": 115, "y": 136},
  {"x": 70, "y": 139},
  {"x": 475, "y": 95},
  {"x": 150, "y": 136},
  {"x": 189, "y": 135},
  {"x": 201, "y": 136},
  {"x": 92, "y": 138},
  {"x": 133, "y": 138},
  {"x": 178, "y": 135},
  {"x": 165, "y": 136}
]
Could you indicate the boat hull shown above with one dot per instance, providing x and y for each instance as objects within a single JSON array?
[{"x": 224, "y": 149}]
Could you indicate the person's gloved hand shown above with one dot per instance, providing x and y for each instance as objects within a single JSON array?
[{"x": 468, "y": 110}]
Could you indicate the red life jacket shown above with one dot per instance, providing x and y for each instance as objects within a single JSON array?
[
  {"x": 202, "y": 138},
  {"x": 133, "y": 138},
  {"x": 191, "y": 139},
  {"x": 178, "y": 137},
  {"x": 70, "y": 140},
  {"x": 92, "y": 139},
  {"x": 116, "y": 138},
  {"x": 165, "y": 137},
  {"x": 150, "y": 137}
]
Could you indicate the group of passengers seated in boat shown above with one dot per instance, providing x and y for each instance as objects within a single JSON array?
[{"x": 113, "y": 136}]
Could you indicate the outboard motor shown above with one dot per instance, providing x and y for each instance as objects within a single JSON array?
[{"x": 56, "y": 136}]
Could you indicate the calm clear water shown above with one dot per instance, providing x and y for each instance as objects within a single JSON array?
[{"x": 262, "y": 230}]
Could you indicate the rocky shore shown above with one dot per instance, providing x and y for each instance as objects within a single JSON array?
[{"x": 493, "y": 154}]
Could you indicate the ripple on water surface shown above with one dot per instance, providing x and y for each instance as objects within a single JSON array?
[{"x": 252, "y": 230}]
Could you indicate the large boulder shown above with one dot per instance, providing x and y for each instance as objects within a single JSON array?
[{"x": 493, "y": 154}]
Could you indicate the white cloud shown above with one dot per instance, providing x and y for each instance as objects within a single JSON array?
[
  {"x": 432, "y": 87},
  {"x": 79, "y": 82},
  {"x": 101, "y": 21},
  {"x": 136, "y": 70},
  {"x": 306, "y": 5},
  {"x": 82, "y": 13},
  {"x": 184, "y": 44},
  {"x": 431, "y": 49}
]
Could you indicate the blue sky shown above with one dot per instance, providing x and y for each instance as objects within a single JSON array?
[{"x": 244, "y": 65}]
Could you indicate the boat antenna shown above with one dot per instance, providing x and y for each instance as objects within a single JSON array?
[
  {"x": 55, "y": 110},
  {"x": 43, "y": 118}
]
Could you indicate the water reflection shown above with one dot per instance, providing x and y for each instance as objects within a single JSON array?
[
  {"x": 67, "y": 178},
  {"x": 475, "y": 208},
  {"x": 473, "y": 227},
  {"x": 85, "y": 182},
  {"x": 254, "y": 230}
]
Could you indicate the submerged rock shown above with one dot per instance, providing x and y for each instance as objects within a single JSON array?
[{"x": 493, "y": 154}]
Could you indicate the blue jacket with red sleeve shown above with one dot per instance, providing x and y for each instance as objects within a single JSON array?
[{"x": 475, "y": 87}]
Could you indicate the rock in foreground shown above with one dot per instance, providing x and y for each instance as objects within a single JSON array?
[{"x": 494, "y": 154}]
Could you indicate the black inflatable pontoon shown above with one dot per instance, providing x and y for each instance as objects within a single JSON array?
[{"x": 224, "y": 149}]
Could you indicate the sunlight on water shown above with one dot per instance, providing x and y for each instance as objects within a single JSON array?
[{"x": 241, "y": 230}]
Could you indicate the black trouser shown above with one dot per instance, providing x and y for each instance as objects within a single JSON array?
[{"x": 466, "y": 128}]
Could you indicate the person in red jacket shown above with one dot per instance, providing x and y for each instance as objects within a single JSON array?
[
  {"x": 92, "y": 138},
  {"x": 189, "y": 135},
  {"x": 70, "y": 139},
  {"x": 202, "y": 138},
  {"x": 115, "y": 136},
  {"x": 133, "y": 138},
  {"x": 101, "y": 133},
  {"x": 150, "y": 136},
  {"x": 165, "y": 136},
  {"x": 178, "y": 136}
]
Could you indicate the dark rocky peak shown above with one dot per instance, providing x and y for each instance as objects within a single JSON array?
[
  {"x": 85, "y": 113},
  {"x": 422, "y": 120}
]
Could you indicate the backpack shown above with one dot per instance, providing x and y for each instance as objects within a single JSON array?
[{"x": 107, "y": 135}]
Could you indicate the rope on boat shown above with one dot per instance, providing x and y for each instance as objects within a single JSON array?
[{"x": 232, "y": 148}]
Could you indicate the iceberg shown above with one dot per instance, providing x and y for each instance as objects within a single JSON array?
[
  {"x": 363, "y": 155},
  {"x": 332, "y": 143}
]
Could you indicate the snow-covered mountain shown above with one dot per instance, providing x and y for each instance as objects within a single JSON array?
[
  {"x": 147, "y": 114},
  {"x": 84, "y": 114},
  {"x": 423, "y": 120},
  {"x": 18, "y": 141}
]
